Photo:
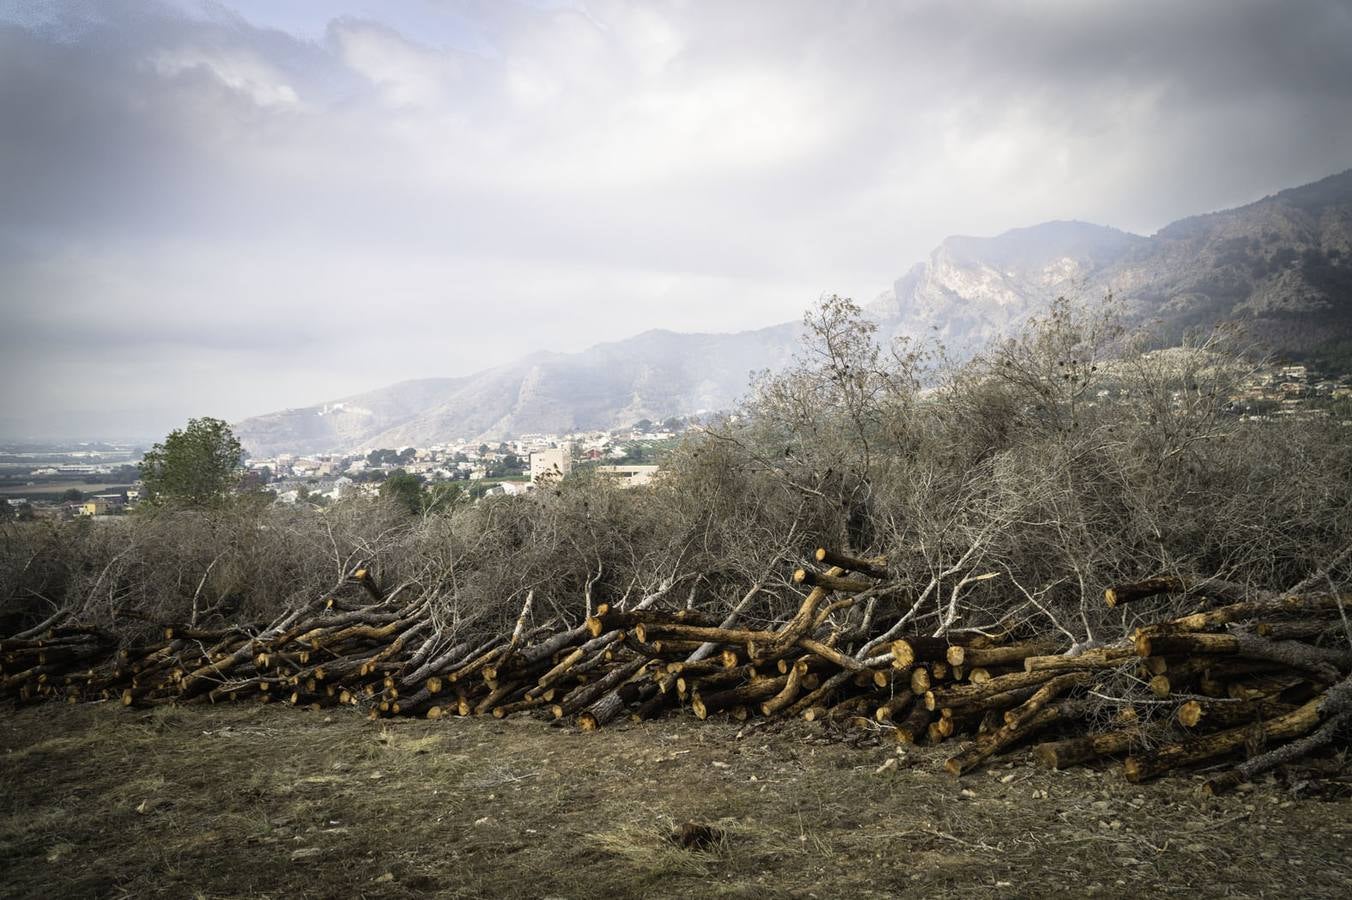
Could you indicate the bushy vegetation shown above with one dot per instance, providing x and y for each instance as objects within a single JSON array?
[{"x": 1007, "y": 490}]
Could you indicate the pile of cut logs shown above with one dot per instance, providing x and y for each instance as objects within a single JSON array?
[{"x": 1265, "y": 676}]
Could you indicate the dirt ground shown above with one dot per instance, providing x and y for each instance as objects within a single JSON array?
[{"x": 260, "y": 801}]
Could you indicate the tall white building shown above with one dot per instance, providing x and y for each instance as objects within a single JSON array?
[{"x": 547, "y": 464}]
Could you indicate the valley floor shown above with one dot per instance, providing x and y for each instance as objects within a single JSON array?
[{"x": 260, "y": 801}]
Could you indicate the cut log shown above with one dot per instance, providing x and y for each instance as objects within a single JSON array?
[
  {"x": 1140, "y": 590},
  {"x": 1146, "y": 766},
  {"x": 820, "y": 695},
  {"x": 966, "y": 694},
  {"x": 648, "y": 632},
  {"x": 1073, "y": 751},
  {"x": 913, "y": 650},
  {"x": 801, "y": 623},
  {"x": 789, "y": 693},
  {"x": 896, "y": 705},
  {"x": 1100, "y": 658},
  {"x": 874, "y": 567},
  {"x": 607, "y": 707},
  {"x": 1324, "y": 663},
  {"x": 1229, "y": 713},
  {"x": 507, "y": 709},
  {"x": 1251, "y": 609},
  {"x": 1003, "y": 738},
  {"x": 830, "y": 582},
  {"x": 1020, "y": 715},
  {"x": 915, "y": 726},
  {"x": 582, "y": 697},
  {"x": 704, "y": 705},
  {"x": 1336, "y": 722},
  {"x": 607, "y": 619},
  {"x": 1010, "y": 654}
]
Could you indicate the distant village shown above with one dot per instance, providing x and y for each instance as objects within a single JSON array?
[{"x": 631, "y": 456}]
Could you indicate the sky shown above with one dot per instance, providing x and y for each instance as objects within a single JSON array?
[{"x": 229, "y": 207}]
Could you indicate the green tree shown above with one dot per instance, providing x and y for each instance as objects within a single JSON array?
[
  {"x": 405, "y": 490},
  {"x": 73, "y": 495},
  {"x": 196, "y": 466}
]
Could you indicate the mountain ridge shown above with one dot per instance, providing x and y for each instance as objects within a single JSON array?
[{"x": 1280, "y": 266}]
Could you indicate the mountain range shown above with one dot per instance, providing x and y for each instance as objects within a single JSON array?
[{"x": 1281, "y": 268}]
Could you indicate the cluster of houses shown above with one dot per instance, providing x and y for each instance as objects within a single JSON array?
[
  {"x": 508, "y": 467},
  {"x": 106, "y": 503},
  {"x": 1292, "y": 390}
]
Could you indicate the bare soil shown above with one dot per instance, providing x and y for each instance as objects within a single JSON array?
[{"x": 260, "y": 801}]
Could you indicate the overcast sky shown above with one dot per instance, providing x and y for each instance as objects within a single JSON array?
[{"x": 226, "y": 208}]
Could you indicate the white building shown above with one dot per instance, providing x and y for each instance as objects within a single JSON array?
[
  {"x": 549, "y": 464},
  {"x": 629, "y": 476}
]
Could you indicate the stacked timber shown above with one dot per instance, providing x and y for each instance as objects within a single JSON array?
[{"x": 1265, "y": 678}]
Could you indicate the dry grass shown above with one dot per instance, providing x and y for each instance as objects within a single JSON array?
[{"x": 255, "y": 801}]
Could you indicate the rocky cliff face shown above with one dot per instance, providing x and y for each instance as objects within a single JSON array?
[
  {"x": 1281, "y": 268},
  {"x": 973, "y": 289}
]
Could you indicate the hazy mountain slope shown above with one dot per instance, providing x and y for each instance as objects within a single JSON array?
[
  {"x": 1280, "y": 267},
  {"x": 343, "y": 423},
  {"x": 653, "y": 375}
]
